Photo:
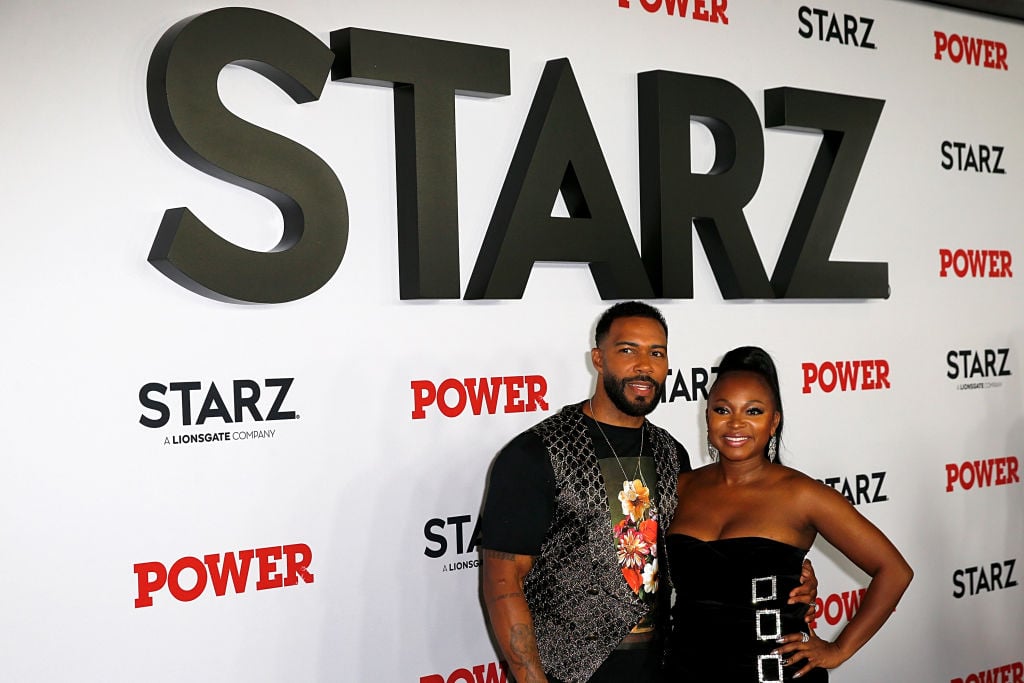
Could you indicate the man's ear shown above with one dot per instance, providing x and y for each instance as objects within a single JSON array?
[{"x": 595, "y": 358}]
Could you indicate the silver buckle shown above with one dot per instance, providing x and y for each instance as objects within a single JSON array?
[
  {"x": 760, "y": 585},
  {"x": 761, "y": 635},
  {"x": 777, "y": 673}
]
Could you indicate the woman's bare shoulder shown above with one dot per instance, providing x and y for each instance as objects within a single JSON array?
[
  {"x": 807, "y": 488},
  {"x": 698, "y": 474},
  {"x": 694, "y": 478}
]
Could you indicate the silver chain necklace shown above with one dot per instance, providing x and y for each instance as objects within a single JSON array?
[{"x": 638, "y": 473}]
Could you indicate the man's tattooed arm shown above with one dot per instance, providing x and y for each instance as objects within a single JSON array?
[
  {"x": 523, "y": 654},
  {"x": 510, "y": 618}
]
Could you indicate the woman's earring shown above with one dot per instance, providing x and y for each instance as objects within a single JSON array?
[
  {"x": 713, "y": 453},
  {"x": 773, "y": 448}
]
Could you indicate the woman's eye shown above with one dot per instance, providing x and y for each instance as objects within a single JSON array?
[{"x": 755, "y": 411}]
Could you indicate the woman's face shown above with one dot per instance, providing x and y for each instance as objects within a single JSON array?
[{"x": 741, "y": 416}]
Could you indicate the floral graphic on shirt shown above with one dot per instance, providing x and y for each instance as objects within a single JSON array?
[
  {"x": 651, "y": 577},
  {"x": 635, "y": 499},
  {"x": 636, "y": 539},
  {"x": 633, "y": 549}
]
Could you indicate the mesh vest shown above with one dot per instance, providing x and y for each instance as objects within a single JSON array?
[{"x": 581, "y": 605}]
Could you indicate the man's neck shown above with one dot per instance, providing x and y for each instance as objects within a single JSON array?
[{"x": 601, "y": 408}]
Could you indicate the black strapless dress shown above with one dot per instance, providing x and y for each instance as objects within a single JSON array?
[{"x": 730, "y": 607}]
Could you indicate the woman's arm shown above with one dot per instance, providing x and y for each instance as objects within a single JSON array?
[{"x": 866, "y": 546}]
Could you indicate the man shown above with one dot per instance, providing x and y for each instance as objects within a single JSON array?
[{"x": 575, "y": 510}]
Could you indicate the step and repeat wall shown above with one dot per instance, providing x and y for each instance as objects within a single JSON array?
[{"x": 280, "y": 281}]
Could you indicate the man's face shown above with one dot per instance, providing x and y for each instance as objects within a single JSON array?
[{"x": 632, "y": 362}]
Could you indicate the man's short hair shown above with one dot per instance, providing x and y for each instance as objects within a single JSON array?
[{"x": 626, "y": 309}]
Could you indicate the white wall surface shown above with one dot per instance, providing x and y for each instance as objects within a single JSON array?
[{"x": 87, "y": 492}]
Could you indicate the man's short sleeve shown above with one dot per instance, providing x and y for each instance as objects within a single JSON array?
[{"x": 520, "y": 499}]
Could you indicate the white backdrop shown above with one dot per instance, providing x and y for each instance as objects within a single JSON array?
[{"x": 88, "y": 492}]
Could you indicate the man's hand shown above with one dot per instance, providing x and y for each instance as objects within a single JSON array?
[{"x": 807, "y": 591}]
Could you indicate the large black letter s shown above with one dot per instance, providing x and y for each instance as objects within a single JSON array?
[{"x": 195, "y": 125}]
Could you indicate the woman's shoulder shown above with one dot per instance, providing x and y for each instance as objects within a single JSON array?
[
  {"x": 799, "y": 484},
  {"x": 694, "y": 478},
  {"x": 794, "y": 477},
  {"x": 696, "y": 475}
]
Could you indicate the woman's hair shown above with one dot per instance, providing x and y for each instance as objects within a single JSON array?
[{"x": 755, "y": 359}]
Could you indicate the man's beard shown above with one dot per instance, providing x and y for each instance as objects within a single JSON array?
[{"x": 616, "y": 390}]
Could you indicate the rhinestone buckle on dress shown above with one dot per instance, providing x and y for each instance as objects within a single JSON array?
[
  {"x": 775, "y": 670},
  {"x": 760, "y": 585},
  {"x": 776, "y": 616}
]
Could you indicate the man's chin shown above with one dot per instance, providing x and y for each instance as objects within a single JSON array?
[
  {"x": 634, "y": 406},
  {"x": 640, "y": 407},
  {"x": 649, "y": 407}
]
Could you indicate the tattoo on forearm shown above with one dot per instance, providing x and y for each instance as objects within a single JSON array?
[
  {"x": 522, "y": 646},
  {"x": 498, "y": 555},
  {"x": 506, "y": 596}
]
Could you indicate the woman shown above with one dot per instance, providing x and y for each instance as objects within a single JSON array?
[{"x": 740, "y": 532}]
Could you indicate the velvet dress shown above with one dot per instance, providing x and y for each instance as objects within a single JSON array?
[{"x": 730, "y": 608}]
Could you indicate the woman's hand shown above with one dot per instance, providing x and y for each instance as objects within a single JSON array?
[{"x": 810, "y": 650}]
